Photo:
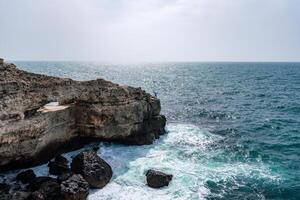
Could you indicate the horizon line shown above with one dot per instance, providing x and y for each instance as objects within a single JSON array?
[{"x": 192, "y": 61}]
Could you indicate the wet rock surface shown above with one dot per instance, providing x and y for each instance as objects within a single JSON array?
[
  {"x": 157, "y": 179},
  {"x": 94, "y": 170},
  {"x": 88, "y": 111}
]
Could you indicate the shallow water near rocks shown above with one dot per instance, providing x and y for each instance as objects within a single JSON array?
[{"x": 233, "y": 129}]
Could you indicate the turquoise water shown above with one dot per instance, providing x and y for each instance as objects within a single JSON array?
[{"x": 233, "y": 129}]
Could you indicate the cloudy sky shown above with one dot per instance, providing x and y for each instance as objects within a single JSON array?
[{"x": 150, "y": 30}]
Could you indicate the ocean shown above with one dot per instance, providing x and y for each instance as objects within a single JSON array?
[{"x": 233, "y": 129}]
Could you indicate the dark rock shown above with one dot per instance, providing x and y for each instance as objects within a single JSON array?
[
  {"x": 156, "y": 179},
  {"x": 63, "y": 177},
  {"x": 74, "y": 188},
  {"x": 94, "y": 170},
  {"x": 4, "y": 191},
  {"x": 4, "y": 187},
  {"x": 48, "y": 190},
  {"x": 95, "y": 148},
  {"x": 26, "y": 176},
  {"x": 37, "y": 195},
  {"x": 20, "y": 195},
  {"x": 36, "y": 183},
  {"x": 59, "y": 166}
]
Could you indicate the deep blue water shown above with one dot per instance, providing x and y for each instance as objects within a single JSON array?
[{"x": 233, "y": 129}]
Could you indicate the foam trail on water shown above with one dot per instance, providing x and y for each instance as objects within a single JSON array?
[{"x": 184, "y": 152}]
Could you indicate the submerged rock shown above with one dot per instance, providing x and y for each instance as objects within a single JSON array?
[
  {"x": 156, "y": 179},
  {"x": 26, "y": 176},
  {"x": 59, "y": 166},
  {"x": 31, "y": 132},
  {"x": 74, "y": 188},
  {"x": 94, "y": 170}
]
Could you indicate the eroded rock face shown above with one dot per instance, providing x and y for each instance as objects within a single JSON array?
[
  {"x": 94, "y": 170},
  {"x": 92, "y": 111}
]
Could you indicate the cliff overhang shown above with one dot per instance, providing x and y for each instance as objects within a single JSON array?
[{"x": 32, "y": 131}]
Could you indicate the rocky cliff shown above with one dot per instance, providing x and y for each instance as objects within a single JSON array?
[{"x": 32, "y": 131}]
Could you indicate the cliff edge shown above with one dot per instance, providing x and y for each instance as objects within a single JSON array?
[{"x": 43, "y": 116}]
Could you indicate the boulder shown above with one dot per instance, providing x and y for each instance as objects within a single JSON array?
[
  {"x": 156, "y": 179},
  {"x": 59, "y": 166},
  {"x": 26, "y": 176},
  {"x": 94, "y": 170},
  {"x": 47, "y": 190},
  {"x": 74, "y": 188}
]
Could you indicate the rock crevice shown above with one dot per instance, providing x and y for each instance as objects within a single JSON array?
[{"x": 96, "y": 110}]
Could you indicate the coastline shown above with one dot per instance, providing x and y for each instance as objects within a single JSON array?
[{"x": 92, "y": 111}]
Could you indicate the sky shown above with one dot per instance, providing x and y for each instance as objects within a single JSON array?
[{"x": 150, "y": 30}]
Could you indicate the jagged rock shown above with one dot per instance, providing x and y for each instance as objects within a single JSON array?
[
  {"x": 93, "y": 169},
  {"x": 74, "y": 188},
  {"x": 59, "y": 166},
  {"x": 26, "y": 176},
  {"x": 156, "y": 179},
  {"x": 32, "y": 133}
]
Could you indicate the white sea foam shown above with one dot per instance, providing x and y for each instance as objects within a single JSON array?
[{"x": 184, "y": 152}]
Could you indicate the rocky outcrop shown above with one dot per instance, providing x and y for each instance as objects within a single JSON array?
[
  {"x": 32, "y": 132},
  {"x": 94, "y": 170},
  {"x": 156, "y": 179}
]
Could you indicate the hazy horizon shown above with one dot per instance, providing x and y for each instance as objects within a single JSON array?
[{"x": 150, "y": 31}]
